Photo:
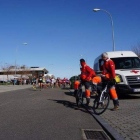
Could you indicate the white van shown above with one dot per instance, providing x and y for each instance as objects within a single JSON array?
[{"x": 127, "y": 67}]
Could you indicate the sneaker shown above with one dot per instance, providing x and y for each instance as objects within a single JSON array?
[{"x": 115, "y": 108}]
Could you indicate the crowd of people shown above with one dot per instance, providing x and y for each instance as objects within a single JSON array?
[
  {"x": 42, "y": 82},
  {"x": 21, "y": 81},
  {"x": 47, "y": 82}
]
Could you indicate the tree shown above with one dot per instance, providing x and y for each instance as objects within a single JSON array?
[
  {"x": 7, "y": 69},
  {"x": 23, "y": 71},
  {"x": 136, "y": 49}
]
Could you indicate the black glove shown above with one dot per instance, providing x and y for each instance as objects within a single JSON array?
[
  {"x": 100, "y": 60},
  {"x": 114, "y": 82}
]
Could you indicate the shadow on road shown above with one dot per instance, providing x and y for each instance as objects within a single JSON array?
[
  {"x": 129, "y": 96},
  {"x": 72, "y": 94},
  {"x": 66, "y": 88},
  {"x": 69, "y": 104},
  {"x": 69, "y": 93}
]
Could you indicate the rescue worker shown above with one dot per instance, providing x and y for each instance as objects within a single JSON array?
[
  {"x": 108, "y": 69},
  {"x": 86, "y": 76}
]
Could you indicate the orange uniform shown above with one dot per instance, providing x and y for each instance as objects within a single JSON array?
[
  {"x": 86, "y": 72},
  {"x": 108, "y": 69},
  {"x": 86, "y": 76}
]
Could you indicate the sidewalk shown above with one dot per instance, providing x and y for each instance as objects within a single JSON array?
[
  {"x": 5, "y": 88},
  {"x": 108, "y": 128},
  {"x": 124, "y": 123}
]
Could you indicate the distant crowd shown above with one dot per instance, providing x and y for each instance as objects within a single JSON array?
[
  {"x": 52, "y": 82},
  {"x": 21, "y": 81},
  {"x": 46, "y": 82}
]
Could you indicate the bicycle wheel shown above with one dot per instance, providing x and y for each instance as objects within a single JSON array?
[
  {"x": 79, "y": 98},
  {"x": 100, "y": 107}
]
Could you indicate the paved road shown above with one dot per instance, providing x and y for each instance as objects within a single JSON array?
[
  {"x": 5, "y": 88},
  {"x": 50, "y": 114}
]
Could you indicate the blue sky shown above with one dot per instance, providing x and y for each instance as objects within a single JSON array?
[{"x": 58, "y": 32}]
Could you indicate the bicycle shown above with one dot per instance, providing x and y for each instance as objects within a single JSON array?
[
  {"x": 102, "y": 100},
  {"x": 79, "y": 96}
]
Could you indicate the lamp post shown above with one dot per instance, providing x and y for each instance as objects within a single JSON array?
[
  {"x": 96, "y": 10},
  {"x": 16, "y": 58}
]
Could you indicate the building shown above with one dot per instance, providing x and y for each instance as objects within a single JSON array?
[{"x": 8, "y": 74}]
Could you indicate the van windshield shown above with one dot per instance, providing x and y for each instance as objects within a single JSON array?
[{"x": 126, "y": 62}]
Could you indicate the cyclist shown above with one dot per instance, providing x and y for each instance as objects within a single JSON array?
[
  {"x": 108, "y": 69},
  {"x": 34, "y": 82},
  {"x": 40, "y": 81},
  {"x": 86, "y": 76}
]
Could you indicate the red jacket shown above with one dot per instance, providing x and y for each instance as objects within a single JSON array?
[
  {"x": 108, "y": 68},
  {"x": 86, "y": 72}
]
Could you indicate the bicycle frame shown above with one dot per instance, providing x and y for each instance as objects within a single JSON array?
[
  {"x": 102, "y": 93},
  {"x": 101, "y": 96},
  {"x": 80, "y": 88}
]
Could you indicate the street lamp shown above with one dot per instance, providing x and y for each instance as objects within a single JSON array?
[
  {"x": 16, "y": 58},
  {"x": 96, "y": 10}
]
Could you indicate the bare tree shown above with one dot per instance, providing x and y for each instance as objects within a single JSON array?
[
  {"x": 23, "y": 71},
  {"x": 136, "y": 49},
  {"x": 6, "y": 69}
]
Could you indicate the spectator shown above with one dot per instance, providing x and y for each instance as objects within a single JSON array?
[
  {"x": 24, "y": 81},
  {"x": 15, "y": 81}
]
